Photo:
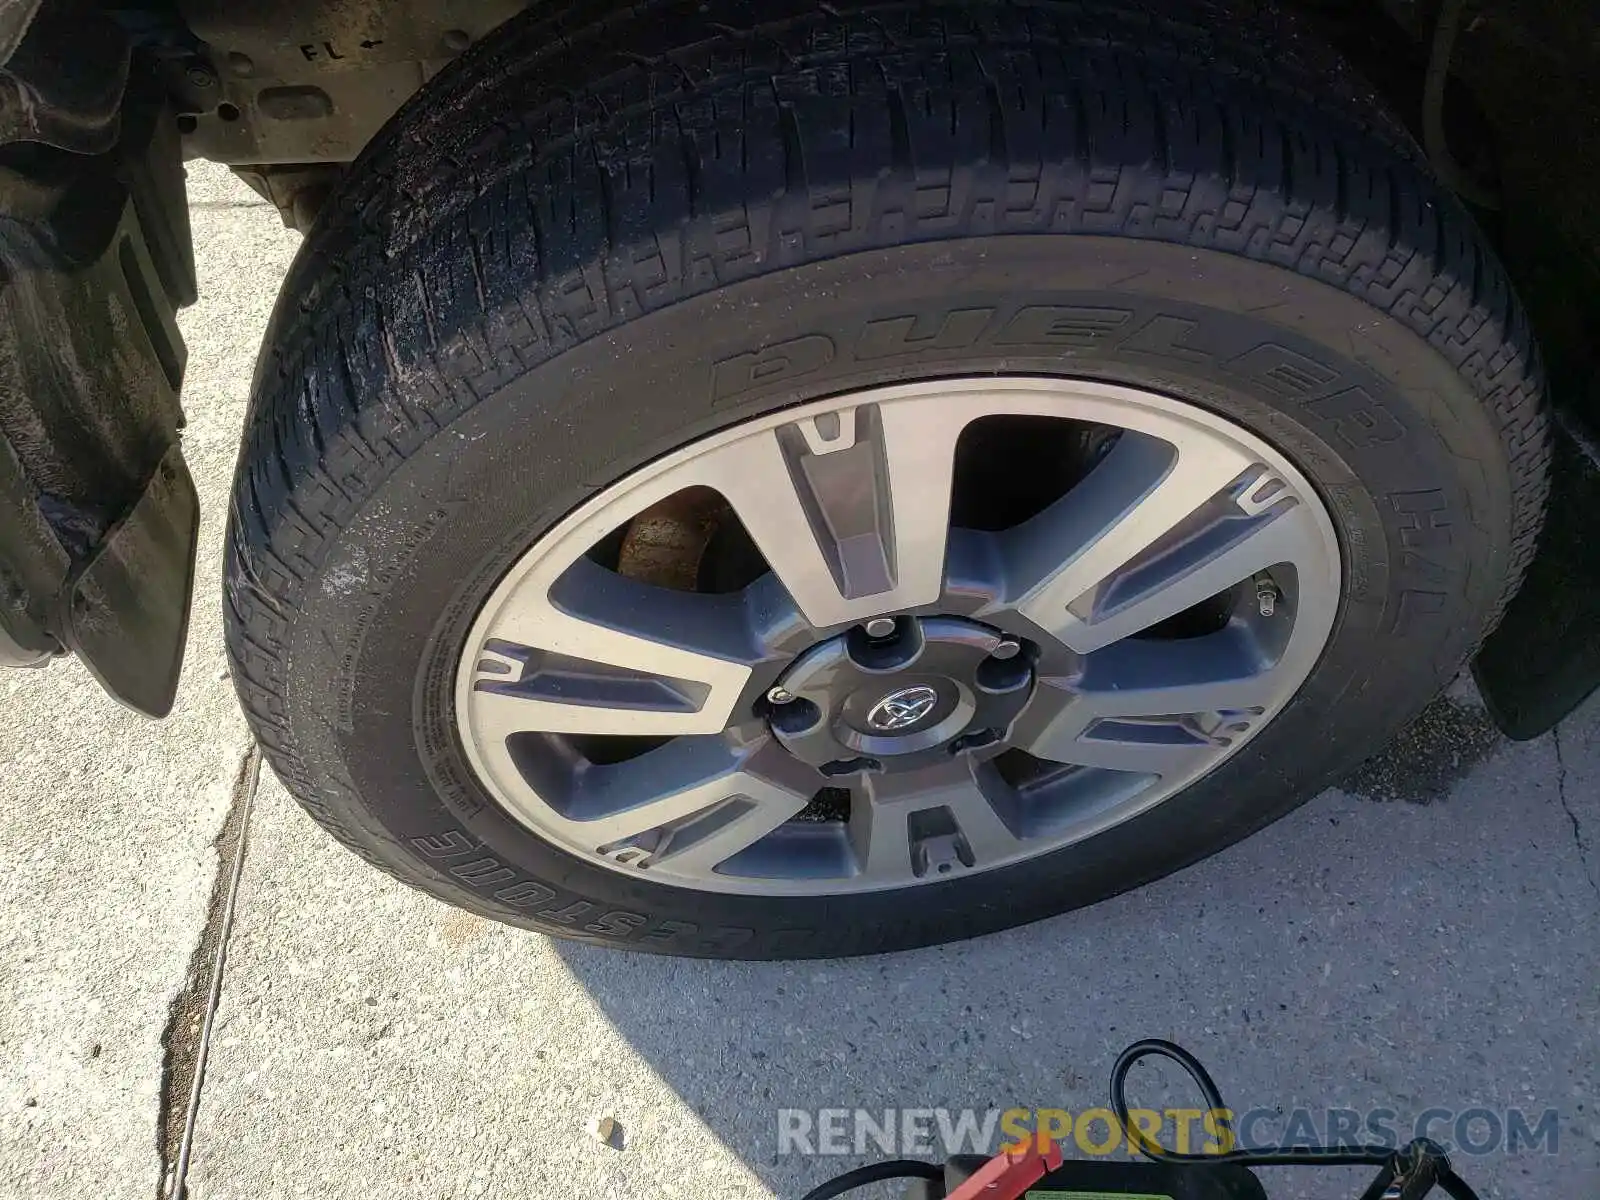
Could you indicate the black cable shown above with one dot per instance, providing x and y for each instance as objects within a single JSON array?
[
  {"x": 898, "y": 1168},
  {"x": 1455, "y": 1186},
  {"x": 1396, "y": 1163},
  {"x": 1157, "y": 1048}
]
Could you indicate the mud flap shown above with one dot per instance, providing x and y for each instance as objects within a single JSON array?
[
  {"x": 1544, "y": 659},
  {"x": 128, "y": 612}
]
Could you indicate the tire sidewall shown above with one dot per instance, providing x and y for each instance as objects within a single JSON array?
[{"x": 1400, "y": 450}]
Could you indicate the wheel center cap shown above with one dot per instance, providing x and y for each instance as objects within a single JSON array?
[
  {"x": 902, "y": 709},
  {"x": 936, "y": 686}
]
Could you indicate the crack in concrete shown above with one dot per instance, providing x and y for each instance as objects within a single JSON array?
[
  {"x": 185, "y": 1037},
  {"x": 1566, "y": 807}
]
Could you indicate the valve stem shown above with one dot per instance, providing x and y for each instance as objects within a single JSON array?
[{"x": 1266, "y": 594}]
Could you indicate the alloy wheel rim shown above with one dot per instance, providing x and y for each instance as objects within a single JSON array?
[{"x": 1045, "y": 701}]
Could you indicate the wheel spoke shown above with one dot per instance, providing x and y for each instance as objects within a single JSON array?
[
  {"x": 850, "y": 508},
  {"x": 1146, "y": 744},
  {"x": 701, "y": 847},
  {"x": 1133, "y": 678},
  {"x": 974, "y": 809},
  {"x": 877, "y": 833},
  {"x": 1139, "y": 494},
  {"x": 601, "y": 654},
  {"x": 941, "y": 821},
  {"x": 1160, "y": 708},
  {"x": 1118, "y": 747},
  {"x": 1164, "y": 589},
  {"x": 1181, "y": 699},
  {"x": 691, "y": 804}
]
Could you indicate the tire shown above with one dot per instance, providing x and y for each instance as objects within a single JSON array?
[{"x": 598, "y": 237}]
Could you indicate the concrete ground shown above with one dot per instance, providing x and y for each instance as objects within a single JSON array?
[{"x": 1429, "y": 937}]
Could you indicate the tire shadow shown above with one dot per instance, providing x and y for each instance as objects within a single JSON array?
[{"x": 1353, "y": 954}]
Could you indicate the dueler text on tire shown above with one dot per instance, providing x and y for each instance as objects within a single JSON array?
[{"x": 755, "y": 480}]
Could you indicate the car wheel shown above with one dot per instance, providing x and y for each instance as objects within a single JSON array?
[{"x": 783, "y": 482}]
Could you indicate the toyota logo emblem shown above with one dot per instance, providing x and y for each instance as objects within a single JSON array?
[{"x": 902, "y": 709}]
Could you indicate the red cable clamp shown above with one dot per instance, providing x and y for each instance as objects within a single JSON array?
[{"x": 1011, "y": 1172}]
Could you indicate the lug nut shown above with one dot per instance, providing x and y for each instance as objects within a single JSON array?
[
  {"x": 880, "y": 627},
  {"x": 1008, "y": 648},
  {"x": 780, "y": 695}
]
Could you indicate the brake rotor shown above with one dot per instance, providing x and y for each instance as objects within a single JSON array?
[{"x": 666, "y": 543}]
